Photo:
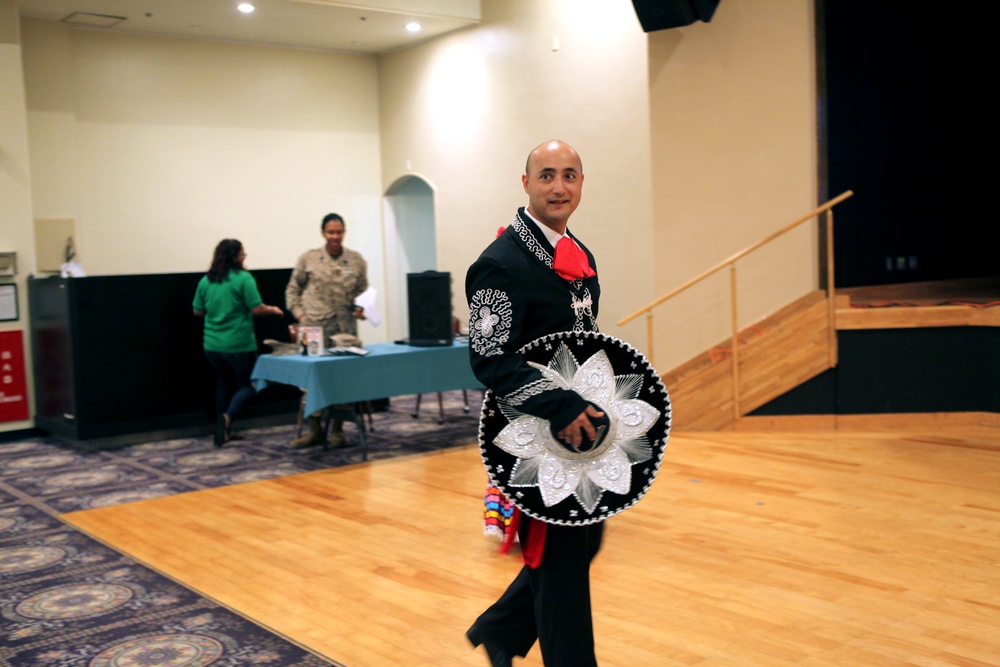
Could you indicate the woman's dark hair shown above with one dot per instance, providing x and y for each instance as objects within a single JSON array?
[
  {"x": 329, "y": 217},
  {"x": 225, "y": 259}
]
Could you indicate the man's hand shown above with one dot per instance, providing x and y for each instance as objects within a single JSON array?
[
  {"x": 573, "y": 433},
  {"x": 358, "y": 312}
]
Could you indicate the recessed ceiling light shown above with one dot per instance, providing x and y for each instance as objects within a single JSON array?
[
  {"x": 245, "y": 7},
  {"x": 413, "y": 27}
]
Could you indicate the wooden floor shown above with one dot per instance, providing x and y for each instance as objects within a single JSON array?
[{"x": 843, "y": 548}]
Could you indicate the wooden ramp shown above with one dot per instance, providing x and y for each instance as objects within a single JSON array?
[
  {"x": 764, "y": 549},
  {"x": 775, "y": 356},
  {"x": 796, "y": 344}
]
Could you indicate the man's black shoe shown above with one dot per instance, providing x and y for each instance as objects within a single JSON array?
[{"x": 498, "y": 657}]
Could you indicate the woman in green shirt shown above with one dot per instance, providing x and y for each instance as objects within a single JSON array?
[{"x": 227, "y": 297}]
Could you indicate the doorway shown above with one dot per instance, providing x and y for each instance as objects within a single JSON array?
[{"x": 410, "y": 244}]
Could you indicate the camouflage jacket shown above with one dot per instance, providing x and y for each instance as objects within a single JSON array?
[{"x": 324, "y": 288}]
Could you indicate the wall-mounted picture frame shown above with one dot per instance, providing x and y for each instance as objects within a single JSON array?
[{"x": 8, "y": 303}]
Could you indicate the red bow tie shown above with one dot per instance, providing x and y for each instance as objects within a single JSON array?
[{"x": 570, "y": 261}]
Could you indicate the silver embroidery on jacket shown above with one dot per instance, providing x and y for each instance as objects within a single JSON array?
[
  {"x": 527, "y": 391},
  {"x": 584, "y": 307},
  {"x": 521, "y": 227},
  {"x": 489, "y": 322}
]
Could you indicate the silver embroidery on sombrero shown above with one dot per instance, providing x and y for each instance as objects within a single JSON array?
[
  {"x": 558, "y": 473},
  {"x": 489, "y": 322}
]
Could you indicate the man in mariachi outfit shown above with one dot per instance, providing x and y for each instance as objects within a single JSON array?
[{"x": 537, "y": 279}]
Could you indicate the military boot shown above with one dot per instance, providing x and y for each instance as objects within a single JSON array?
[
  {"x": 313, "y": 437},
  {"x": 337, "y": 439}
]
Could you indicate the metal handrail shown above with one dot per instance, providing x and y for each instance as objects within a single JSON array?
[{"x": 731, "y": 263}]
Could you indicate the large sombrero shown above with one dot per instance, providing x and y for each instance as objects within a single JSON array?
[{"x": 547, "y": 479}]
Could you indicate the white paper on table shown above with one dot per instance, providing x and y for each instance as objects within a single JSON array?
[{"x": 367, "y": 301}]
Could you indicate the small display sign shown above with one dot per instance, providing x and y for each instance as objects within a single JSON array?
[
  {"x": 312, "y": 338},
  {"x": 13, "y": 384}
]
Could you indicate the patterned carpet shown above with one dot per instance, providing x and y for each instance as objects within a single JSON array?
[{"x": 67, "y": 600}]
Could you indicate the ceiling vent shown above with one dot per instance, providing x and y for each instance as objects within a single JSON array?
[{"x": 93, "y": 20}]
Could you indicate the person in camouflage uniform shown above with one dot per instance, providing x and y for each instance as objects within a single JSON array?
[{"x": 321, "y": 292}]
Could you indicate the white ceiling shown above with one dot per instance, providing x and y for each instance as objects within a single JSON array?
[{"x": 361, "y": 26}]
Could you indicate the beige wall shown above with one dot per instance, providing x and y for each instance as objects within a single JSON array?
[
  {"x": 696, "y": 141},
  {"x": 734, "y": 145},
  {"x": 465, "y": 110},
  {"x": 159, "y": 148},
  {"x": 15, "y": 185}
]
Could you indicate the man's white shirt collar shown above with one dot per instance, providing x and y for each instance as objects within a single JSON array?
[{"x": 550, "y": 234}]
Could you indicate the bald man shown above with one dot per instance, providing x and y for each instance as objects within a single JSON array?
[{"x": 518, "y": 290}]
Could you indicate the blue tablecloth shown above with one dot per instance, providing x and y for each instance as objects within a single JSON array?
[{"x": 389, "y": 369}]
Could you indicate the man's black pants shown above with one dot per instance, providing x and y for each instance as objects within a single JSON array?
[{"x": 550, "y": 603}]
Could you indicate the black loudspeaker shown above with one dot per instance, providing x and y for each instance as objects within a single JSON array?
[
  {"x": 662, "y": 14},
  {"x": 429, "y": 295}
]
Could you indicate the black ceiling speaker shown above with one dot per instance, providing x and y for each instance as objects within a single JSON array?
[{"x": 662, "y": 14}]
